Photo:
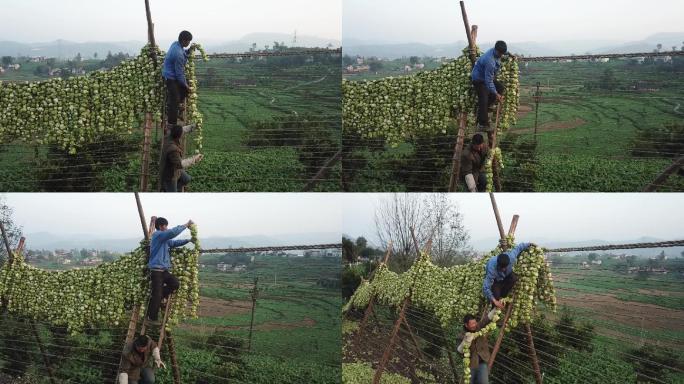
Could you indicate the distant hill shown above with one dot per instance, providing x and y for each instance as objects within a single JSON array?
[
  {"x": 48, "y": 241},
  {"x": 68, "y": 49},
  {"x": 358, "y": 47}
]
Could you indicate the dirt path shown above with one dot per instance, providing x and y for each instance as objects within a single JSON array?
[
  {"x": 609, "y": 309},
  {"x": 523, "y": 110},
  {"x": 222, "y": 308},
  {"x": 554, "y": 126}
]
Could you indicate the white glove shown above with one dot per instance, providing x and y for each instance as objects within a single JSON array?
[
  {"x": 469, "y": 337},
  {"x": 190, "y": 161},
  {"x": 491, "y": 313},
  {"x": 157, "y": 358},
  {"x": 460, "y": 346},
  {"x": 123, "y": 378},
  {"x": 470, "y": 182},
  {"x": 188, "y": 128}
]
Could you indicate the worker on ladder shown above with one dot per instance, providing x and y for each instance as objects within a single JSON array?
[
  {"x": 137, "y": 359},
  {"x": 473, "y": 160},
  {"x": 173, "y": 71},
  {"x": 479, "y": 348},
  {"x": 499, "y": 278},
  {"x": 488, "y": 89},
  {"x": 172, "y": 168},
  {"x": 162, "y": 281}
]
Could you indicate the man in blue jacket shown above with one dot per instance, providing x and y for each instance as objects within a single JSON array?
[
  {"x": 484, "y": 80},
  {"x": 163, "y": 282},
  {"x": 500, "y": 278},
  {"x": 177, "y": 88}
]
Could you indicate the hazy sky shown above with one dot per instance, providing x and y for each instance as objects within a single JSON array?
[
  {"x": 557, "y": 216},
  {"x": 123, "y": 20},
  {"x": 236, "y": 214},
  {"x": 439, "y": 21}
]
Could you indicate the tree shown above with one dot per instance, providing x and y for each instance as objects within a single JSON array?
[
  {"x": 7, "y": 60},
  {"x": 414, "y": 60},
  {"x": 631, "y": 260},
  {"x": 347, "y": 60},
  {"x": 682, "y": 254},
  {"x": 661, "y": 256},
  {"x": 375, "y": 65},
  {"x": 95, "y": 55},
  {"x": 432, "y": 217},
  {"x": 12, "y": 230},
  {"x": 348, "y": 250},
  {"x": 592, "y": 256},
  {"x": 361, "y": 243},
  {"x": 78, "y": 57},
  {"x": 659, "y": 47}
]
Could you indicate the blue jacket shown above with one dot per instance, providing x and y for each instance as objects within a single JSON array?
[
  {"x": 492, "y": 274},
  {"x": 486, "y": 68},
  {"x": 161, "y": 243},
  {"x": 174, "y": 63}
]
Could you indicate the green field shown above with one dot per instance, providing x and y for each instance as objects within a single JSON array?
[
  {"x": 596, "y": 132},
  {"x": 296, "y": 331},
  {"x": 269, "y": 125}
]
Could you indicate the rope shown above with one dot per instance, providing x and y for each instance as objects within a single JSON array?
[
  {"x": 662, "y": 244},
  {"x": 277, "y": 248}
]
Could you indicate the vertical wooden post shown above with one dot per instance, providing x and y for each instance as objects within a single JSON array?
[
  {"x": 145, "y": 167},
  {"x": 458, "y": 151},
  {"x": 533, "y": 354},
  {"x": 135, "y": 313},
  {"x": 471, "y": 43},
  {"x": 255, "y": 292},
  {"x": 147, "y": 128},
  {"x": 171, "y": 346},
  {"x": 537, "y": 96},
  {"x": 499, "y": 224}
]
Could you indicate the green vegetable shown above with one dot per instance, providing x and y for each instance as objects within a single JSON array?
[
  {"x": 397, "y": 109},
  {"x": 101, "y": 296},
  {"x": 73, "y": 112}
]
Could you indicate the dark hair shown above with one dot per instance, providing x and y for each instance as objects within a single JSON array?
[
  {"x": 141, "y": 341},
  {"x": 176, "y": 131},
  {"x": 185, "y": 35},
  {"x": 466, "y": 319},
  {"x": 502, "y": 261},
  {"x": 501, "y": 47},
  {"x": 477, "y": 139},
  {"x": 159, "y": 222}
]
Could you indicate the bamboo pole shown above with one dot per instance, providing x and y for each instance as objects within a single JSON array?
[
  {"x": 499, "y": 224},
  {"x": 321, "y": 172},
  {"x": 499, "y": 339},
  {"x": 471, "y": 43},
  {"x": 5, "y": 239},
  {"x": 390, "y": 345},
  {"x": 458, "y": 152},
  {"x": 496, "y": 169},
  {"x": 679, "y": 163},
  {"x": 167, "y": 310}
]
